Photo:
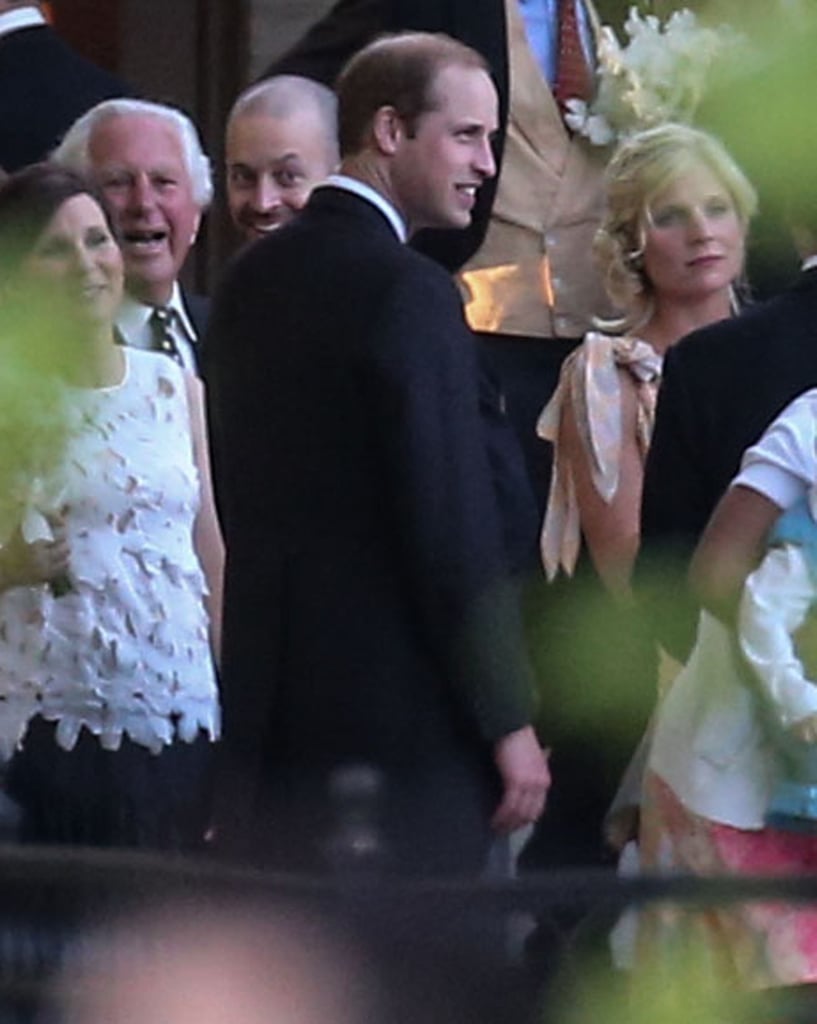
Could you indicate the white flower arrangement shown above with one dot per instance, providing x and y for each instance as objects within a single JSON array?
[{"x": 659, "y": 75}]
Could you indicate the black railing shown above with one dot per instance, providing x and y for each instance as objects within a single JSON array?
[{"x": 49, "y": 897}]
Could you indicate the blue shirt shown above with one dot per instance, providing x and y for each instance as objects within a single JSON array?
[{"x": 541, "y": 21}]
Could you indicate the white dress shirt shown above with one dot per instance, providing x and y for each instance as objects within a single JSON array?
[
  {"x": 27, "y": 17},
  {"x": 133, "y": 324},
  {"x": 541, "y": 19},
  {"x": 360, "y": 188}
]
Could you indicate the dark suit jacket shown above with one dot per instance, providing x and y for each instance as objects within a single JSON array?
[
  {"x": 722, "y": 386},
  {"x": 350, "y": 24},
  {"x": 198, "y": 309},
  {"x": 367, "y": 613},
  {"x": 44, "y": 87}
]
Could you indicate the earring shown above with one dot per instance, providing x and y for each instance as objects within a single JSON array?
[{"x": 635, "y": 259}]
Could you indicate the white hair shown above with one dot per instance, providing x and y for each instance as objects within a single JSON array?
[{"x": 74, "y": 150}]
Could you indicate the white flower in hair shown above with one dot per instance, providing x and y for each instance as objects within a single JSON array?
[{"x": 661, "y": 74}]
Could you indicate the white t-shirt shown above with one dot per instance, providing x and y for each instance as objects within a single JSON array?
[{"x": 783, "y": 464}]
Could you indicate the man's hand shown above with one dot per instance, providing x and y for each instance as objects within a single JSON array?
[{"x": 523, "y": 766}]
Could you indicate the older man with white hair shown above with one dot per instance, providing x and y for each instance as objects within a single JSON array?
[{"x": 148, "y": 161}]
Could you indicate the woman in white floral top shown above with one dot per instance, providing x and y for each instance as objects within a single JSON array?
[{"x": 111, "y": 557}]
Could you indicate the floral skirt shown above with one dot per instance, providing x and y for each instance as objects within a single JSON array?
[{"x": 753, "y": 944}]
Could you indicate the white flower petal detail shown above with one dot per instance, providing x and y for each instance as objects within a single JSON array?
[
  {"x": 130, "y": 487},
  {"x": 660, "y": 74}
]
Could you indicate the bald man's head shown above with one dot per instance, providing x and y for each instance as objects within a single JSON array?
[{"x": 281, "y": 141}]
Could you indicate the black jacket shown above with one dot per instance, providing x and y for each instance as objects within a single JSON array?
[
  {"x": 367, "y": 609},
  {"x": 44, "y": 87}
]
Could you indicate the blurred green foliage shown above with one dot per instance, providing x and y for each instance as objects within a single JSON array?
[
  {"x": 759, "y": 13},
  {"x": 680, "y": 988},
  {"x": 39, "y": 345}
]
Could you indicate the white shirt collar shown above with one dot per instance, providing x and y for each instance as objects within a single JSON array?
[
  {"x": 810, "y": 262},
  {"x": 132, "y": 319},
  {"x": 28, "y": 17},
  {"x": 360, "y": 188}
]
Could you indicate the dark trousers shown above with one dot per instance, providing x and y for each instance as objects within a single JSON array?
[{"x": 128, "y": 797}]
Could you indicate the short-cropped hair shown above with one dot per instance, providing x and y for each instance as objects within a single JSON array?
[{"x": 397, "y": 70}]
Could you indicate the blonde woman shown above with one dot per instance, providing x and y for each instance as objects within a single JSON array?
[{"x": 671, "y": 250}]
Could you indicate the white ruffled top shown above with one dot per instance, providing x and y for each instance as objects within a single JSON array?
[{"x": 126, "y": 651}]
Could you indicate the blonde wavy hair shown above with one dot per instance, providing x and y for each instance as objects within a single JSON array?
[{"x": 643, "y": 166}]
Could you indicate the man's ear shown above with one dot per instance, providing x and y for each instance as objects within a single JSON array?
[
  {"x": 196, "y": 227},
  {"x": 388, "y": 130}
]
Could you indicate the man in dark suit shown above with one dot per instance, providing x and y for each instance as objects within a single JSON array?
[
  {"x": 148, "y": 161},
  {"x": 368, "y": 616},
  {"x": 524, "y": 262},
  {"x": 44, "y": 85}
]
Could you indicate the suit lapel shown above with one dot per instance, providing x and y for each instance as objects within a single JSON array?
[{"x": 197, "y": 308}]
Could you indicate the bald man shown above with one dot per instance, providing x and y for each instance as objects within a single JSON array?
[{"x": 281, "y": 141}]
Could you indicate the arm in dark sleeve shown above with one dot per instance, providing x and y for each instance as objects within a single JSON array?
[
  {"x": 675, "y": 509},
  {"x": 214, "y": 368},
  {"x": 322, "y": 52},
  {"x": 235, "y": 382},
  {"x": 520, "y": 516},
  {"x": 438, "y": 480}
]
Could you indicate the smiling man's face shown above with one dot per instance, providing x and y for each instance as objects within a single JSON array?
[
  {"x": 445, "y": 157},
  {"x": 273, "y": 163},
  {"x": 138, "y": 162}
]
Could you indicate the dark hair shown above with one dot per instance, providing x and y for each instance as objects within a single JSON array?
[
  {"x": 397, "y": 70},
  {"x": 29, "y": 198}
]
